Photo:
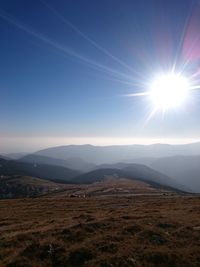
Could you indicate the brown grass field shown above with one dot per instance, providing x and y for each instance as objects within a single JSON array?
[{"x": 109, "y": 231}]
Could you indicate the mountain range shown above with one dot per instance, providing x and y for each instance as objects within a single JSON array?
[
  {"x": 180, "y": 162},
  {"x": 174, "y": 166},
  {"x": 119, "y": 153}
]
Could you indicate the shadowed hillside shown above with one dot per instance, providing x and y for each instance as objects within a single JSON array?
[
  {"x": 48, "y": 172},
  {"x": 71, "y": 163},
  {"x": 132, "y": 172}
]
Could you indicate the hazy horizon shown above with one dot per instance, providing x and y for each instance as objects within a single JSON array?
[{"x": 30, "y": 145}]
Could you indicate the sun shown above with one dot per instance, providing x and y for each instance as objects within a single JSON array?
[{"x": 169, "y": 91}]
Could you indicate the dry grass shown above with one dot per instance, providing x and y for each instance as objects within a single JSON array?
[{"x": 100, "y": 231}]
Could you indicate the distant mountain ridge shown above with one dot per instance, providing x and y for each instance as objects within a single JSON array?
[
  {"x": 15, "y": 156},
  {"x": 119, "y": 153}
]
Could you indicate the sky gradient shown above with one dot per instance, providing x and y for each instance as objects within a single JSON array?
[{"x": 67, "y": 68}]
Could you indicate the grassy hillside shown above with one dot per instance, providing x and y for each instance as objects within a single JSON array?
[{"x": 24, "y": 186}]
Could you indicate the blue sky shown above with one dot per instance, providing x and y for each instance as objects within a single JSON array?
[{"x": 67, "y": 66}]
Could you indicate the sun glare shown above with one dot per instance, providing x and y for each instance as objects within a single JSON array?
[{"x": 169, "y": 91}]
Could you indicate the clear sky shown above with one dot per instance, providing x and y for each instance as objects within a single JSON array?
[{"x": 66, "y": 68}]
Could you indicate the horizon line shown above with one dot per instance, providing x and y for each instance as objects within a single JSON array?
[{"x": 33, "y": 144}]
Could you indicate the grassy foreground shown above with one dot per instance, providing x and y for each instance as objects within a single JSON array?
[{"x": 100, "y": 231}]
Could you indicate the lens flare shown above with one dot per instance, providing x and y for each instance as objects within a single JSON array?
[{"x": 169, "y": 91}]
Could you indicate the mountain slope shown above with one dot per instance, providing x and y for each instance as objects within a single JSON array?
[
  {"x": 48, "y": 172},
  {"x": 184, "y": 169},
  {"x": 71, "y": 163},
  {"x": 135, "y": 172},
  {"x": 15, "y": 156},
  {"x": 116, "y": 187},
  {"x": 142, "y": 171},
  {"x": 151, "y": 175},
  {"x": 97, "y": 176}
]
